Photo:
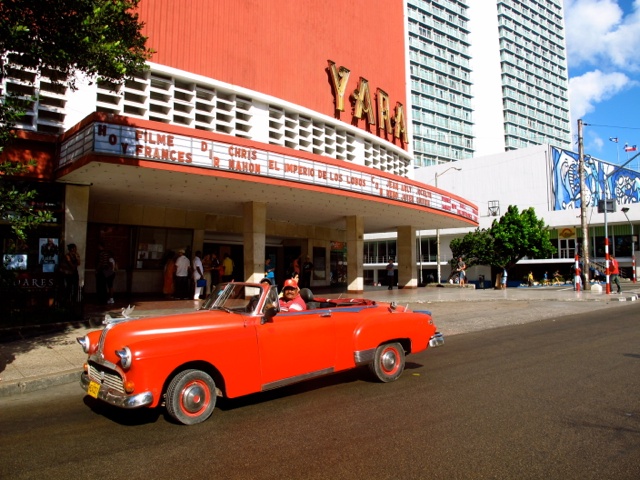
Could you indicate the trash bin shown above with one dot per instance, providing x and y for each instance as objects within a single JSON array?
[{"x": 481, "y": 281}]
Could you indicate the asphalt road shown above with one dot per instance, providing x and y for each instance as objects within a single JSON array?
[{"x": 553, "y": 399}]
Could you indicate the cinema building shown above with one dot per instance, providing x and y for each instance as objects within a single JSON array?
[{"x": 261, "y": 133}]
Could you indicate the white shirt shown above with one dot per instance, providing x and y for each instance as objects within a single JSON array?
[
  {"x": 197, "y": 263},
  {"x": 182, "y": 266}
]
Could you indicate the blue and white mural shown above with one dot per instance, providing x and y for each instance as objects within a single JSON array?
[{"x": 623, "y": 184}]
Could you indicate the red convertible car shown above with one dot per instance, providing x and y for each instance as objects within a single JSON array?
[{"x": 240, "y": 343}]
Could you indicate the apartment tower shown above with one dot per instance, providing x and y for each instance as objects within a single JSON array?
[{"x": 486, "y": 77}]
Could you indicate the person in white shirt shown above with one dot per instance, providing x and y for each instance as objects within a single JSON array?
[
  {"x": 198, "y": 273},
  {"x": 182, "y": 276}
]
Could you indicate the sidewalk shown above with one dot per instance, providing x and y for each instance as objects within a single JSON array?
[{"x": 53, "y": 357}]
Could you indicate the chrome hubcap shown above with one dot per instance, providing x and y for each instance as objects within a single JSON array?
[
  {"x": 193, "y": 398},
  {"x": 388, "y": 360}
]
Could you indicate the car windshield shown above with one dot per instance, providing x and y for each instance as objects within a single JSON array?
[{"x": 234, "y": 297}]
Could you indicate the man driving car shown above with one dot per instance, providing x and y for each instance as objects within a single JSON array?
[{"x": 291, "y": 300}]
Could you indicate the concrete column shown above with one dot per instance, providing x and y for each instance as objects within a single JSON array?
[
  {"x": 407, "y": 275},
  {"x": 355, "y": 252},
  {"x": 76, "y": 215},
  {"x": 198, "y": 242},
  {"x": 254, "y": 231}
]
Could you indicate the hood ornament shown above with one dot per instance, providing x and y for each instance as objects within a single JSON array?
[{"x": 125, "y": 315}]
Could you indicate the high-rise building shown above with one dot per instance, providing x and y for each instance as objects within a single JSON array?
[
  {"x": 440, "y": 69},
  {"x": 486, "y": 77}
]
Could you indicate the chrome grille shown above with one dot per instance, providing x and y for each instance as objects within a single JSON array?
[{"x": 106, "y": 377}]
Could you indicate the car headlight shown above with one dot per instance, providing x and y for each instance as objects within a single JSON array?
[
  {"x": 85, "y": 343},
  {"x": 125, "y": 357}
]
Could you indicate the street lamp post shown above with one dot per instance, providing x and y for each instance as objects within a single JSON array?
[
  {"x": 633, "y": 245},
  {"x": 437, "y": 229}
]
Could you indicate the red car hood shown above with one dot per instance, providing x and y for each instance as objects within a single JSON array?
[{"x": 183, "y": 328}]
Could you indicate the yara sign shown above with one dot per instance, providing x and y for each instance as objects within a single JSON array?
[{"x": 363, "y": 104}]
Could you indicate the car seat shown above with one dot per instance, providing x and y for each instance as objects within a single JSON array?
[{"x": 307, "y": 296}]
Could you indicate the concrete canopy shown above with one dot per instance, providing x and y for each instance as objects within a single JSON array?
[{"x": 146, "y": 163}]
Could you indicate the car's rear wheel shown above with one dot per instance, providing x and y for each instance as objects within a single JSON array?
[
  {"x": 388, "y": 362},
  {"x": 191, "y": 397}
]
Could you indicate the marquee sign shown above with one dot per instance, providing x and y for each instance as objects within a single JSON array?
[{"x": 153, "y": 145}]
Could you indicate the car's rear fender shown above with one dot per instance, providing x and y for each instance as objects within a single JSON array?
[{"x": 412, "y": 330}]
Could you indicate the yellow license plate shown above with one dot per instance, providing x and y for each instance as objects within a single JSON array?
[{"x": 94, "y": 389}]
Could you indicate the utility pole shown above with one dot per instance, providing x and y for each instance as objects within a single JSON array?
[{"x": 583, "y": 209}]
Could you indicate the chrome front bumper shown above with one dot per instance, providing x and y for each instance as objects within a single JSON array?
[
  {"x": 116, "y": 398},
  {"x": 437, "y": 340}
]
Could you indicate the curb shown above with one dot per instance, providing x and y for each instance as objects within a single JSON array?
[{"x": 39, "y": 383}]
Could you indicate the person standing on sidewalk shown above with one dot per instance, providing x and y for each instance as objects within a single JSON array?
[
  {"x": 270, "y": 271},
  {"x": 228, "y": 265},
  {"x": 207, "y": 266},
  {"x": 503, "y": 280},
  {"x": 390, "y": 274},
  {"x": 615, "y": 273},
  {"x": 461, "y": 271},
  {"x": 198, "y": 275},
  {"x": 183, "y": 265},
  {"x": 307, "y": 269},
  {"x": 105, "y": 274},
  {"x": 69, "y": 268}
]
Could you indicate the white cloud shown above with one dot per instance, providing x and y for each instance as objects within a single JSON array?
[
  {"x": 603, "y": 41},
  {"x": 599, "y": 33},
  {"x": 587, "y": 22},
  {"x": 594, "y": 87}
]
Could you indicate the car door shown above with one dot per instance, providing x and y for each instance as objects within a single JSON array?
[{"x": 294, "y": 346}]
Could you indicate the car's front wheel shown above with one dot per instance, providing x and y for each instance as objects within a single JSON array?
[
  {"x": 191, "y": 397},
  {"x": 388, "y": 362}
]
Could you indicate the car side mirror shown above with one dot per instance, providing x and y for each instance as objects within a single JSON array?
[{"x": 270, "y": 311}]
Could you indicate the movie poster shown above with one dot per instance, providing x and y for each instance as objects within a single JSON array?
[{"x": 48, "y": 254}]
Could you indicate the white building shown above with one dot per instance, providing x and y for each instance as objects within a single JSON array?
[{"x": 545, "y": 178}]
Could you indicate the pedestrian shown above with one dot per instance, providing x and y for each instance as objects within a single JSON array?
[
  {"x": 69, "y": 269},
  {"x": 461, "y": 271},
  {"x": 296, "y": 265},
  {"x": 307, "y": 270},
  {"x": 183, "y": 266},
  {"x": 270, "y": 271},
  {"x": 390, "y": 274},
  {"x": 106, "y": 267},
  {"x": 615, "y": 273},
  {"x": 197, "y": 270},
  {"x": 168, "y": 286},
  {"x": 228, "y": 265},
  {"x": 215, "y": 270},
  {"x": 503, "y": 280},
  {"x": 207, "y": 266}
]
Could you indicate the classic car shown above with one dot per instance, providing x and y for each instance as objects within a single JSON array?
[{"x": 239, "y": 343}]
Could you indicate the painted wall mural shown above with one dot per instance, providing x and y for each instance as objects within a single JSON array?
[{"x": 622, "y": 184}]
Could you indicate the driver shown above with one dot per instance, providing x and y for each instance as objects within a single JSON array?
[{"x": 291, "y": 300}]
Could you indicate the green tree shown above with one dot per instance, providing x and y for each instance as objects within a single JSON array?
[
  {"x": 100, "y": 38},
  {"x": 514, "y": 236}
]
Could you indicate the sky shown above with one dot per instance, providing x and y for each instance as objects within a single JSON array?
[{"x": 603, "y": 50}]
